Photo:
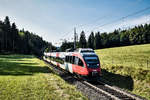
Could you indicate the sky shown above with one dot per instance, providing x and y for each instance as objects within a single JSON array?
[{"x": 55, "y": 20}]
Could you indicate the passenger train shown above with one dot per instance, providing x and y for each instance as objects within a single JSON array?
[{"x": 83, "y": 62}]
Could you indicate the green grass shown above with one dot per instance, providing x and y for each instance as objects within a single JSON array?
[
  {"x": 127, "y": 68},
  {"x": 132, "y": 56},
  {"x": 28, "y": 78}
]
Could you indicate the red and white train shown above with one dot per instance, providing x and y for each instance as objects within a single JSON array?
[{"x": 83, "y": 62}]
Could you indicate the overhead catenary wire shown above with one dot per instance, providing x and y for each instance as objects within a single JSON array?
[
  {"x": 87, "y": 24},
  {"x": 111, "y": 22},
  {"x": 122, "y": 18}
]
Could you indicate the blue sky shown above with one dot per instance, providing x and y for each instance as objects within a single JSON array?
[{"x": 55, "y": 19}]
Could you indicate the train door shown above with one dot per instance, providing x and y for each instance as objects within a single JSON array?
[
  {"x": 68, "y": 64},
  {"x": 80, "y": 68}
]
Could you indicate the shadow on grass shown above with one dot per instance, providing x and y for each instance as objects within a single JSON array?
[
  {"x": 21, "y": 68},
  {"x": 125, "y": 82}
]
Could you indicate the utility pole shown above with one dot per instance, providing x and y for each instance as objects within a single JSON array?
[{"x": 75, "y": 38}]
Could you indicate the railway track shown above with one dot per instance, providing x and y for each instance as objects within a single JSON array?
[
  {"x": 114, "y": 93},
  {"x": 120, "y": 93},
  {"x": 95, "y": 90}
]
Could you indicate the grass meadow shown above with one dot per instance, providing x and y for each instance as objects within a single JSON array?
[
  {"x": 24, "y": 77},
  {"x": 137, "y": 56},
  {"x": 127, "y": 67}
]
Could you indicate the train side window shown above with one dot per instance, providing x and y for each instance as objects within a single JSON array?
[
  {"x": 80, "y": 63},
  {"x": 70, "y": 59},
  {"x": 76, "y": 60},
  {"x": 67, "y": 60},
  {"x": 73, "y": 59}
]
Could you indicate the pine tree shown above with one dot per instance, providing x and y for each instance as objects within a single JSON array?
[
  {"x": 1, "y": 36},
  {"x": 124, "y": 38},
  {"x": 98, "y": 44},
  {"x": 147, "y": 33},
  {"x": 82, "y": 41},
  {"x": 7, "y": 34},
  {"x": 91, "y": 41},
  {"x": 15, "y": 37}
]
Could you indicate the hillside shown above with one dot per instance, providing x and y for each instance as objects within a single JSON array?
[
  {"x": 132, "y": 56},
  {"x": 127, "y": 67},
  {"x": 28, "y": 78}
]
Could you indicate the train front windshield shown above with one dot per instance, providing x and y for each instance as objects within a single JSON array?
[{"x": 92, "y": 61}]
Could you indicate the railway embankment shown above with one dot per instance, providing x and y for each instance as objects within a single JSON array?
[{"x": 134, "y": 80}]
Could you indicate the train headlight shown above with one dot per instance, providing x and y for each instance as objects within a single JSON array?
[{"x": 97, "y": 64}]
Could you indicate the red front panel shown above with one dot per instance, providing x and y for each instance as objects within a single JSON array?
[
  {"x": 94, "y": 69},
  {"x": 80, "y": 70}
]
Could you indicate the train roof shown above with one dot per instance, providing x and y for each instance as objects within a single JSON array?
[{"x": 82, "y": 51}]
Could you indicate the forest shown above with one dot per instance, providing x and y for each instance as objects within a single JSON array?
[
  {"x": 13, "y": 40},
  {"x": 132, "y": 36}
]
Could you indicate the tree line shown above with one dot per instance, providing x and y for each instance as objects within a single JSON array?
[
  {"x": 13, "y": 40},
  {"x": 132, "y": 36}
]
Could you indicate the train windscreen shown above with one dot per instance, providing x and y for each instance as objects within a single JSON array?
[{"x": 92, "y": 61}]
